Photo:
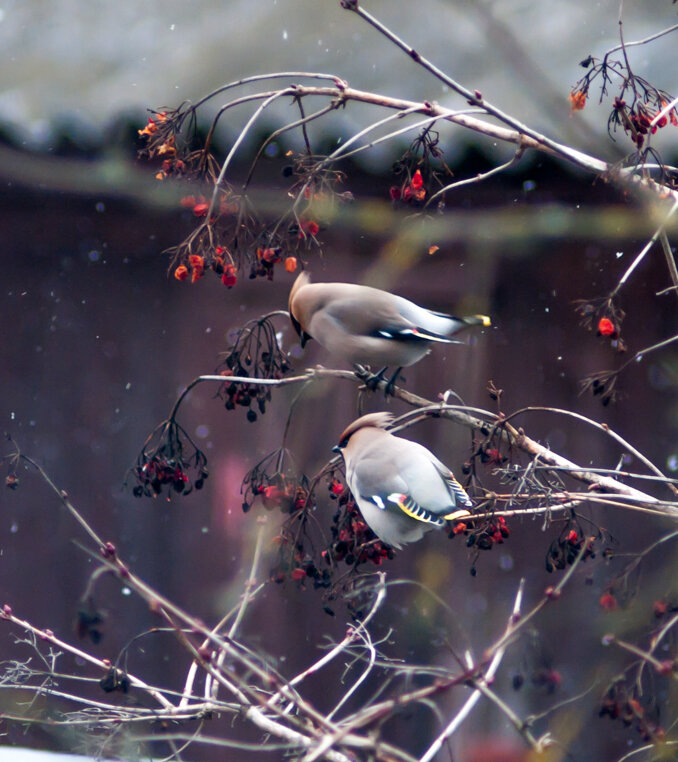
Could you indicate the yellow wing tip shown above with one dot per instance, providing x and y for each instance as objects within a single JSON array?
[
  {"x": 457, "y": 515},
  {"x": 485, "y": 320}
]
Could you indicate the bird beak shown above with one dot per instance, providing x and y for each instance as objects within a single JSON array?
[{"x": 336, "y": 449}]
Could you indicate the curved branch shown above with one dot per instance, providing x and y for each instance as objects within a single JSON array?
[
  {"x": 512, "y": 436},
  {"x": 605, "y": 429}
]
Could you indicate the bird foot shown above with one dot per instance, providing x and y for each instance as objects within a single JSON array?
[
  {"x": 390, "y": 386},
  {"x": 373, "y": 380}
]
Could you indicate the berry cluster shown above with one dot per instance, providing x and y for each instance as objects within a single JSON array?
[
  {"x": 418, "y": 170},
  {"x": 564, "y": 550},
  {"x": 255, "y": 353},
  {"x": 605, "y": 318},
  {"x": 217, "y": 258},
  {"x": 163, "y": 462},
  {"x": 481, "y": 535},
  {"x": 115, "y": 680},
  {"x": 229, "y": 238},
  {"x": 300, "y": 567},
  {"x": 275, "y": 489},
  {"x": 353, "y": 542},
  {"x": 411, "y": 190},
  {"x": 266, "y": 259},
  {"x": 620, "y": 702},
  {"x": 202, "y": 251},
  {"x": 637, "y": 120},
  {"x": 603, "y": 384},
  {"x": 160, "y": 140},
  {"x": 492, "y": 532},
  {"x": 491, "y": 456},
  {"x": 637, "y": 108}
]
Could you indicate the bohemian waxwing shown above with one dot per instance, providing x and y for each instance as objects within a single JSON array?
[
  {"x": 401, "y": 488},
  {"x": 367, "y": 326}
]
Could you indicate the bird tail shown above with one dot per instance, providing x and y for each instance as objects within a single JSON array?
[{"x": 483, "y": 320}]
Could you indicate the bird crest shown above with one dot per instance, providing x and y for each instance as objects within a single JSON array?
[{"x": 376, "y": 420}]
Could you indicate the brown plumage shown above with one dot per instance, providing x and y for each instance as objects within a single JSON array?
[
  {"x": 368, "y": 326},
  {"x": 400, "y": 486}
]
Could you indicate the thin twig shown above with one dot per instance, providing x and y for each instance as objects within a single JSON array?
[
  {"x": 262, "y": 77},
  {"x": 639, "y": 258},
  {"x": 486, "y": 678},
  {"x": 646, "y": 656},
  {"x": 642, "y": 749},
  {"x": 105, "y": 666},
  {"x": 222, "y": 173},
  {"x": 246, "y": 598},
  {"x": 480, "y": 177},
  {"x": 553, "y": 594},
  {"x": 456, "y": 413},
  {"x": 670, "y": 258},
  {"x": 351, "y": 635},
  {"x": 644, "y": 41},
  {"x": 603, "y": 426}
]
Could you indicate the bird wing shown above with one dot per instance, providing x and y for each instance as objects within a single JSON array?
[
  {"x": 409, "y": 506},
  {"x": 437, "y": 322},
  {"x": 456, "y": 491},
  {"x": 360, "y": 315},
  {"x": 380, "y": 483},
  {"x": 411, "y": 480},
  {"x": 431, "y": 482},
  {"x": 370, "y": 312}
]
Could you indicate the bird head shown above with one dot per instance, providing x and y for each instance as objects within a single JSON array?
[
  {"x": 374, "y": 420},
  {"x": 295, "y": 307}
]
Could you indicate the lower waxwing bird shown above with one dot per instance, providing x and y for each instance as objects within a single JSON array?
[
  {"x": 368, "y": 326},
  {"x": 401, "y": 488}
]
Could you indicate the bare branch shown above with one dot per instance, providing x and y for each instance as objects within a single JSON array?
[
  {"x": 517, "y": 156},
  {"x": 512, "y": 436},
  {"x": 644, "y": 41},
  {"x": 49, "y": 637},
  {"x": 639, "y": 258},
  {"x": 670, "y": 259},
  {"x": 485, "y": 678}
]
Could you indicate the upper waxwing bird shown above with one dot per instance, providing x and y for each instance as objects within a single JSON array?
[
  {"x": 368, "y": 326},
  {"x": 401, "y": 488}
]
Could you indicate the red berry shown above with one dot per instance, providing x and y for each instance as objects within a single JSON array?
[
  {"x": 229, "y": 278},
  {"x": 606, "y": 327},
  {"x": 181, "y": 273}
]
